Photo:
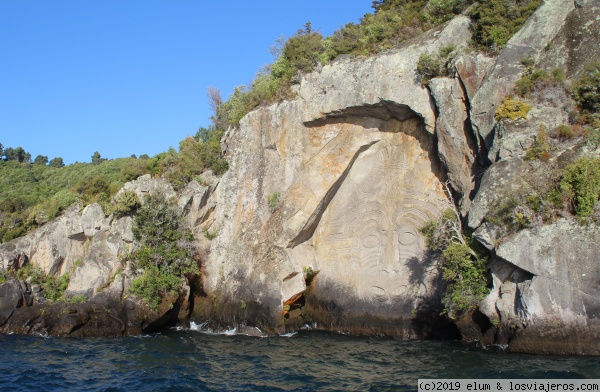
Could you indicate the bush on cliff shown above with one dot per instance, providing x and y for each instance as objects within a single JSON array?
[
  {"x": 581, "y": 185},
  {"x": 196, "y": 155},
  {"x": 53, "y": 287},
  {"x": 165, "y": 255},
  {"x": 463, "y": 263},
  {"x": 496, "y": 21}
]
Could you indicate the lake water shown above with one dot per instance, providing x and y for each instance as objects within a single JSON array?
[{"x": 307, "y": 361}]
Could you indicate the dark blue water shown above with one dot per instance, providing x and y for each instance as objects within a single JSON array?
[{"x": 309, "y": 361}]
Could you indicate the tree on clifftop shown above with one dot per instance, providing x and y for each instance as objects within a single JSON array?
[
  {"x": 41, "y": 160},
  {"x": 97, "y": 159},
  {"x": 57, "y": 162}
]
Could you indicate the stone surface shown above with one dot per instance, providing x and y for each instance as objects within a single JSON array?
[
  {"x": 144, "y": 185},
  {"x": 357, "y": 160},
  {"x": 471, "y": 70},
  {"x": 357, "y": 82},
  {"x": 11, "y": 297},
  {"x": 541, "y": 28},
  {"x": 498, "y": 182},
  {"x": 457, "y": 145},
  {"x": 577, "y": 42},
  {"x": 546, "y": 289}
]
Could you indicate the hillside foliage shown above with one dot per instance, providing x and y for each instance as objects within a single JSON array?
[{"x": 32, "y": 194}]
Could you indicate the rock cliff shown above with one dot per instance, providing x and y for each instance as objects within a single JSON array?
[{"x": 317, "y": 219}]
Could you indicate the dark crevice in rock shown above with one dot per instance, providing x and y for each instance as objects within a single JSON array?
[
  {"x": 312, "y": 223},
  {"x": 475, "y": 144},
  {"x": 383, "y": 110},
  {"x": 481, "y": 320}
]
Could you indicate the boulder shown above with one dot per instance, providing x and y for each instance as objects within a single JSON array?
[{"x": 546, "y": 289}]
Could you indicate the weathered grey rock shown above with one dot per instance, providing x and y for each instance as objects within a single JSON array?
[
  {"x": 498, "y": 182},
  {"x": 356, "y": 82},
  {"x": 195, "y": 201},
  {"x": 499, "y": 82},
  {"x": 102, "y": 260},
  {"x": 472, "y": 69},
  {"x": 577, "y": 42},
  {"x": 551, "y": 292},
  {"x": 11, "y": 297},
  {"x": 93, "y": 220},
  {"x": 145, "y": 185},
  {"x": 514, "y": 138},
  {"x": 53, "y": 247},
  {"x": 457, "y": 146},
  {"x": 354, "y": 192}
]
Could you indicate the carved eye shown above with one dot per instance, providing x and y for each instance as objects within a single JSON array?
[
  {"x": 370, "y": 241},
  {"x": 407, "y": 235},
  {"x": 371, "y": 235}
]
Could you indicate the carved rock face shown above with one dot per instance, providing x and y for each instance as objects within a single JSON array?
[{"x": 368, "y": 239}]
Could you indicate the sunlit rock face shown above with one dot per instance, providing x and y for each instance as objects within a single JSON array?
[{"x": 368, "y": 249}]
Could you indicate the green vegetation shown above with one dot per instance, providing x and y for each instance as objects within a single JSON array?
[
  {"x": 586, "y": 92},
  {"x": 77, "y": 299},
  {"x": 581, "y": 184},
  {"x": 273, "y": 201},
  {"x": 463, "y": 263},
  {"x": 126, "y": 203},
  {"x": 196, "y": 154},
  {"x": 31, "y": 195},
  {"x": 512, "y": 109},
  {"x": 540, "y": 149},
  {"x": 429, "y": 66},
  {"x": 309, "y": 274},
  {"x": 53, "y": 287},
  {"x": 211, "y": 234},
  {"x": 393, "y": 22},
  {"x": 496, "y": 21},
  {"x": 165, "y": 255}
]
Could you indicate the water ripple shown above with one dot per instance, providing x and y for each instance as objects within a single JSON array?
[{"x": 192, "y": 361}]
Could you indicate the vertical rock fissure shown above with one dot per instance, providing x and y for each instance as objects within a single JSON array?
[{"x": 475, "y": 144}]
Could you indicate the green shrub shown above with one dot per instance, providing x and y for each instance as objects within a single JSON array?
[
  {"x": 303, "y": 50},
  {"x": 463, "y": 263},
  {"x": 581, "y": 184},
  {"x": 512, "y": 109},
  {"x": 196, "y": 155},
  {"x": 466, "y": 276},
  {"x": 440, "y": 11},
  {"x": 586, "y": 89},
  {"x": 126, "y": 203},
  {"x": 565, "y": 132},
  {"x": 428, "y": 67},
  {"x": 165, "y": 255},
  {"x": 431, "y": 66},
  {"x": 32, "y": 273},
  {"x": 55, "y": 287},
  {"x": 2, "y": 278},
  {"x": 273, "y": 201},
  {"x": 496, "y": 21},
  {"x": 77, "y": 299},
  {"x": 525, "y": 85},
  {"x": 211, "y": 234},
  {"x": 540, "y": 149}
]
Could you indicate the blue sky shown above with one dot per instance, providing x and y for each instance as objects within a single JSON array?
[{"x": 130, "y": 76}]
